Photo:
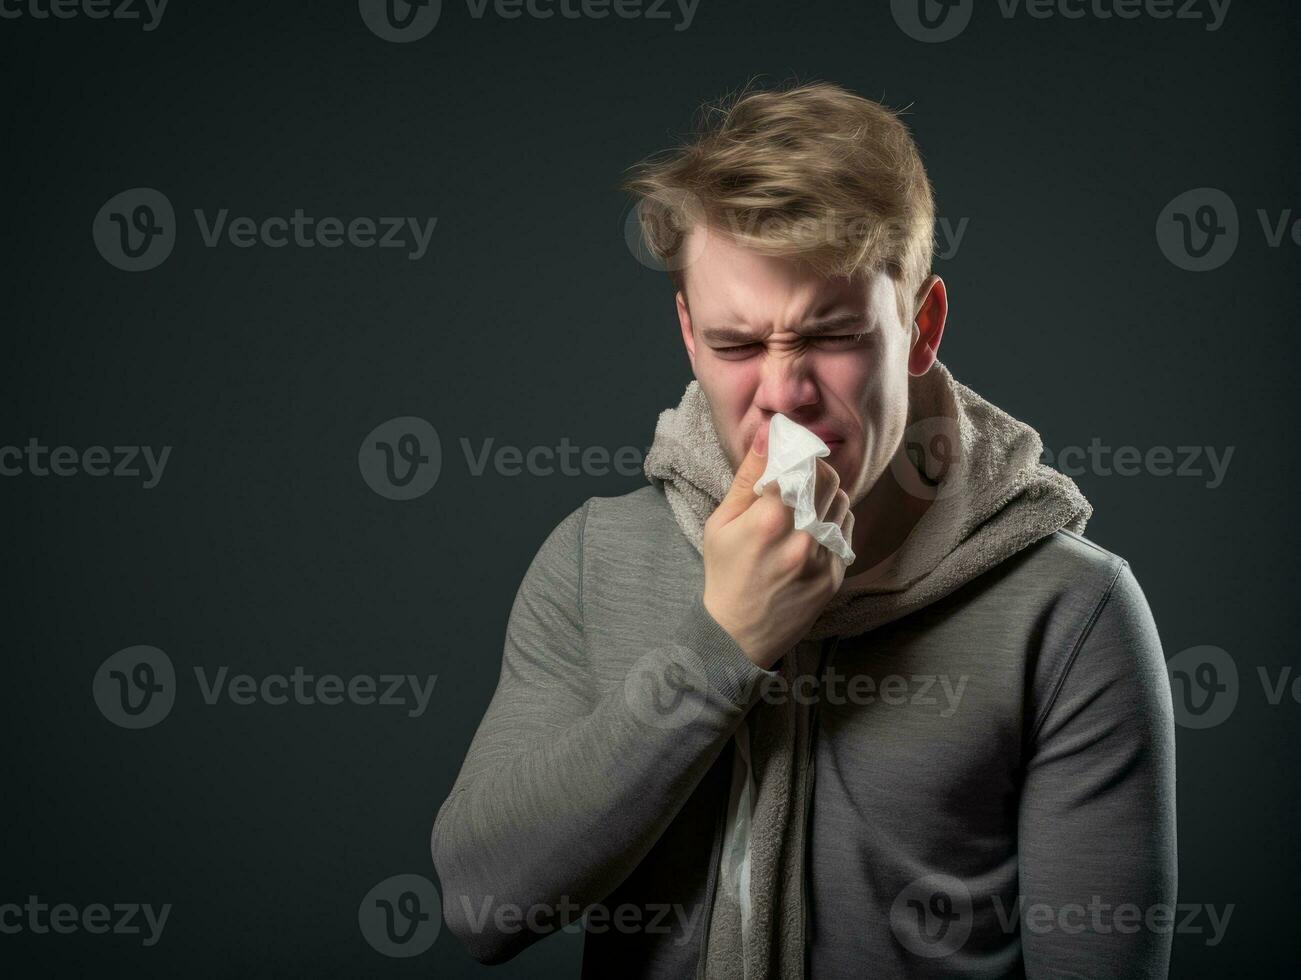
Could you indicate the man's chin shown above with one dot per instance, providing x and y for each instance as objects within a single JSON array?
[{"x": 856, "y": 483}]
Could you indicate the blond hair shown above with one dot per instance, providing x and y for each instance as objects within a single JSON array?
[{"x": 807, "y": 171}]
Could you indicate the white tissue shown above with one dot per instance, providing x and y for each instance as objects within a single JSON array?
[{"x": 793, "y": 452}]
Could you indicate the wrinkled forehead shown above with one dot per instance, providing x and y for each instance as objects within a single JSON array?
[{"x": 726, "y": 281}]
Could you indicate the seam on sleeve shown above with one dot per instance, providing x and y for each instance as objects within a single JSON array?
[
  {"x": 582, "y": 541},
  {"x": 589, "y": 685},
  {"x": 1075, "y": 650}
]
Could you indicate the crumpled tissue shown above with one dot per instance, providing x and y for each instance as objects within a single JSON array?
[{"x": 793, "y": 452}]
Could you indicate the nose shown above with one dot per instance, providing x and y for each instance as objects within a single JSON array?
[{"x": 785, "y": 385}]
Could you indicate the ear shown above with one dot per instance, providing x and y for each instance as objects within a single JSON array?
[
  {"x": 684, "y": 323},
  {"x": 928, "y": 329}
]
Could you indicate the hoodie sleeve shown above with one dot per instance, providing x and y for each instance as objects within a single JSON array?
[
  {"x": 565, "y": 787},
  {"x": 1097, "y": 817}
]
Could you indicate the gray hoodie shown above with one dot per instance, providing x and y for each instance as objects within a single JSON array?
[{"x": 979, "y": 780}]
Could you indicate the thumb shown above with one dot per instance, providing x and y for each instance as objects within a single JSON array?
[{"x": 740, "y": 495}]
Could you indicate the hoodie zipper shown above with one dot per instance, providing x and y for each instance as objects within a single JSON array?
[{"x": 825, "y": 654}]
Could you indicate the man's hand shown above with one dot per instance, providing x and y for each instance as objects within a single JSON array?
[{"x": 765, "y": 582}]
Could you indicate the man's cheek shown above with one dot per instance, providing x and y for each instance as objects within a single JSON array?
[
  {"x": 729, "y": 424},
  {"x": 731, "y": 409}
]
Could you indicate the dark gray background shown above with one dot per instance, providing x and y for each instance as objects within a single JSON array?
[{"x": 528, "y": 321}]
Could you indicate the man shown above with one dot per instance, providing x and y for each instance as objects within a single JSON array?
[{"x": 954, "y": 758}]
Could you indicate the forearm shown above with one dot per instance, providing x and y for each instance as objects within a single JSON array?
[{"x": 569, "y": 814}]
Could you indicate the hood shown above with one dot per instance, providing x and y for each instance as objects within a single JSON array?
[{"x": 991, "y": 496}]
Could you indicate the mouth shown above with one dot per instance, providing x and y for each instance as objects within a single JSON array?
[{"x": 832, "y": 439}]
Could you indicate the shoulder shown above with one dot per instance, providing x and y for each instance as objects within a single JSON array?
[
  {"x": 1086, "y": 579},
  {"x": 643, "y": 513},
  {"x": 1065, "y": 553},
  {"x": 1077, "y": 575},
  {"x": 637, "y": 524},
  {"x": 1100, "y": 632}
]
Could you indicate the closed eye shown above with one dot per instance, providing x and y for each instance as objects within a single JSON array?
[
  {"x": 738, "y": 352},
  {"x": 834, "y": 342},
  {"x": 841, "y": 341}
]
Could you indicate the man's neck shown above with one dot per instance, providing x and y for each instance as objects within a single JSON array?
[{"x": 883, "y": 520}]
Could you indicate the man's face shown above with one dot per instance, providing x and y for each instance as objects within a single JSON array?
[{"x": 767, "y": 335}]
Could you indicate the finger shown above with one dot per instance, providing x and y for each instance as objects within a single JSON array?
[
  {"x": 838, "y": 509},
  {"x": 769, "y": 518},
  {"x": 825, "y": 488},
  {"x": 740, "y": 495}
]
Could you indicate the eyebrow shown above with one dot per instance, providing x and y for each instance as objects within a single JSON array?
[{"x": 815, "y": 328}]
